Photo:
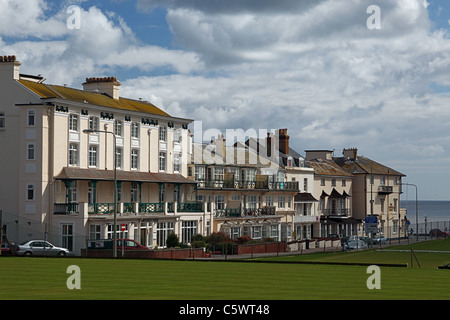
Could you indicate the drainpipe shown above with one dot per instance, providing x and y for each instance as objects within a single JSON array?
[{"x": 51, "y": 120}]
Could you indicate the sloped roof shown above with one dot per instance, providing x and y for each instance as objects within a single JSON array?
[
  {"x": 47, "y": 91},
  {"x": 327, "y": 168},
  {"x": 365, "y": 165},
  {"x": 304, "y": 197}
]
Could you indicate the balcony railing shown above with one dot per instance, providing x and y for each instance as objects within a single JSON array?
[
  {"x": 336, "y": 212},
  {"x": 190, "y": 206},
  {"x": 244, "y": 212},
  {"x": 385, "y": 189},
  {"x": 101, "y": 208},
  {"x": 263, "y": 184},
  {"x": 151, "y": 207},
  {"x": 130, "y": 207},
  {"x": 65, "y": 208}
]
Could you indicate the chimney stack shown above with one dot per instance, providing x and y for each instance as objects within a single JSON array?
[
  {"x": 283, "y": 141},
  {"x": 351, "y": 153},
  {"x": 9, "y": 67},
  {"x": 107, "y": 85}
]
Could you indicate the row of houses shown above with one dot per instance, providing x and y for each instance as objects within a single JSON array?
[{"x": 72, "y": 158}]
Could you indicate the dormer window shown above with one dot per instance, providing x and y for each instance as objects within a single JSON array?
[{"x": 290, "y": 162}]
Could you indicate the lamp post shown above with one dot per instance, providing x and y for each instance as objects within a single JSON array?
[
  {"x": 89, "y": 131},
  {"x": 417, "y": 209}
]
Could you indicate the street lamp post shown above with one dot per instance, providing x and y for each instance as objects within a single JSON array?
[
  {"x": 417, "y": 209},
  {"x": 89, "y": 131}
]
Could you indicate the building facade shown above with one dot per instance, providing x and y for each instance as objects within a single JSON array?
[
  {"x": 249, "y": 195},
  {"x": 333, "y": 187},
  {"x": 376, "y": 192},
  {"x": 67, "y": 147}
]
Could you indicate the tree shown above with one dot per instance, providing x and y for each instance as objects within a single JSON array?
[{"x": 172, "y": 240}]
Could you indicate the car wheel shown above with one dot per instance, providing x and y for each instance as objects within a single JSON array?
[
  {"x": 61, "y": 253},
  {"x": 28, "y": 253}
]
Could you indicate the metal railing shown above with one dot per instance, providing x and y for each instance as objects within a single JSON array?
[
  {"x": 244, "y": 212},
  {"x": 248, "y": 184},
  {"x": 65, "y": 208},
  {"x": 129, "y": 207},
  {"x": 336, "y": 212}
]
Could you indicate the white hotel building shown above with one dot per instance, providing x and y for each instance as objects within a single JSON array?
[{"x": 57, "y": 182}]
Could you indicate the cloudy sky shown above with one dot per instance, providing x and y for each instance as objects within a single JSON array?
[{"x": 332, "y": 72}]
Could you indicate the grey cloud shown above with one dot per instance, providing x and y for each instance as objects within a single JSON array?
[{"x": 232, "y": 6}]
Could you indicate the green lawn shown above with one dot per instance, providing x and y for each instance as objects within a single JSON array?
[
  {"x": 427, "y": 260},
  {"x": 45, "y": 278}
]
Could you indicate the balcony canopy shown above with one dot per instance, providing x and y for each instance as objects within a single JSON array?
[{"x": 68, "y": 173}]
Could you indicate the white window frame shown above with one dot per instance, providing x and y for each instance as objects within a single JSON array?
[
  {"x": 162, "y": 163},
  {"x": 74, "y": 155},
  {"x": 135, "y": 130},
  {"x": 74, "y": 122},
  {"x": 118, "y": 128},
  {"x": 219, "y": 201},
  {"x": 251, "y": 202},
  {"x": 93, "y": 156},
  {"x": 119, "y": 157},
  {"x": 219, "y": 173},
  {"x": 95, "y": 232},
  {"x": 199, "y": 173},
  {"x": 94, "y": 123},
  {"x": 134, "y": 164},
  {"x": 163, "y": 134},
  {"x": 281, "y": 202},
  {"x": 176, "y": 163}
]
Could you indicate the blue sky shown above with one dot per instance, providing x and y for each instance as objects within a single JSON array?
[{"x": 312, "y": 67}]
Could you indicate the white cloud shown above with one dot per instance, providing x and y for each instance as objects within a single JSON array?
[
  {"x": 310, "y": 66},
  {"x": 27, "y": 18},
  {"x": 103, "y": 43}
]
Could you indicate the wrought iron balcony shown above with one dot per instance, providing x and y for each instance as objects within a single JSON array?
[
  {"x": 336, "y": 212},
  {"x": 65, "y": 208},
  {"x": 258, "y": 184},
  {"x": 128, "y": 208},
  {"x": 244, "y": 212},
  {"x": 385, "y": 189}
]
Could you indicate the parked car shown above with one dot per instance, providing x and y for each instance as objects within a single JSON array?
[
  {"x": 439, "y": 233},
  {"x": 130, "y": 245},
  {"x": 379, "y": 239},
  {"x": 367, "y": 240},
  {"x": 41, "y": 248},
  {"x": 9, "y": 249},
  {"x": 355, "y": 244}
]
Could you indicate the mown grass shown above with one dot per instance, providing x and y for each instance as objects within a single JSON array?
[
  {"x": 426, "y": 260},
  {"x": 45, "y": 278},
  {"x": 40, "y": 278}
]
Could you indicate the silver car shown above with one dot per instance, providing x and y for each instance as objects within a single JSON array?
[{"x": 41, "y": 248}]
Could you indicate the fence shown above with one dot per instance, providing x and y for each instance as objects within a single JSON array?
[{"x": 428, "y": 228}]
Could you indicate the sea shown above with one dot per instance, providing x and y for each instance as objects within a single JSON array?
[{"x": 432, "y": 211}]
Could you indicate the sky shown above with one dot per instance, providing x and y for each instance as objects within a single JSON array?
[{"x": 332, "y": 72}]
